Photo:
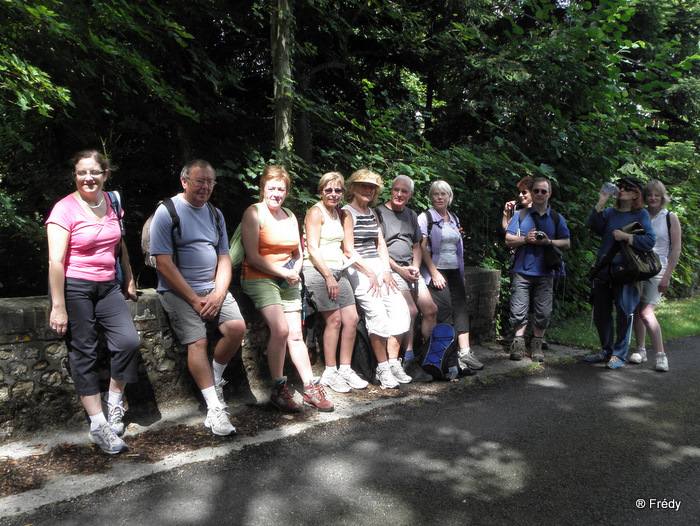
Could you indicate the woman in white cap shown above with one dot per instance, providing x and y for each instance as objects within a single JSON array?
[{"x": 385, "y": 310}]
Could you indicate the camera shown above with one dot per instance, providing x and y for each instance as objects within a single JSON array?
[{"x": 539, "y": 235}]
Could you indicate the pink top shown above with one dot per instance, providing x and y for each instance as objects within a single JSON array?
[{"x": 91, "y": 247}]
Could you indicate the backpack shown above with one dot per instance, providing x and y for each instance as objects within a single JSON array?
[
  {"x": 441, "y": 351},
  {"x": 116, "y": 202},
  {"x": 364, "y": 361},
  {"x": 149, "y": 259}
]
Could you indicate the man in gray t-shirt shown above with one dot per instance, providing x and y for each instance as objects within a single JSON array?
[
  {"x": 403, "y": 237},
  {"x": 194, "y": 272}
]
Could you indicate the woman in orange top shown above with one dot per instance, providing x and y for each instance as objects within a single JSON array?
[{"x": 271, "y": 276}]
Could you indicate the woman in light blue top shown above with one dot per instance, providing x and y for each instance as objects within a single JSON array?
[{"x": 443, "y": 268}]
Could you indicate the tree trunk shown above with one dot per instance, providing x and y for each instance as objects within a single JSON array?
[{"x": 280, "y": 42}]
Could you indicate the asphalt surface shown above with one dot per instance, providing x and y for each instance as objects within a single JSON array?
[{"x": 567, "y": 443}]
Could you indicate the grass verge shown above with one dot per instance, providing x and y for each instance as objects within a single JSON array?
[{"x": 678, "y": 319}]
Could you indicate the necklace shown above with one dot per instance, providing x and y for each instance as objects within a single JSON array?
[{"x": 102, "y": 200}]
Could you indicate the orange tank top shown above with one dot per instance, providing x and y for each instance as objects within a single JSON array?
[{"x": 278, "y": 239}]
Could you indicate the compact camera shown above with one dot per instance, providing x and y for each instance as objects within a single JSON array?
[{"x": 539, "y": 235}]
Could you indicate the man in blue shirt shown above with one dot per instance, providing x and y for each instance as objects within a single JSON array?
[
  {"x": 194, "y": 272},
  {"x": 532, "y": 280}
]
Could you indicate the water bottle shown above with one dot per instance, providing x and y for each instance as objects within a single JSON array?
[{"x": 610, "y": 188}]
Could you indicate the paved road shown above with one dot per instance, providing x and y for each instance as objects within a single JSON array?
[{"x": 572, "y": 444}]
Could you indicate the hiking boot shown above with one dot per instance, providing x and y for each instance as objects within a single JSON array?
[
  {"x": 638, "y": 357},
  {"x": 217, "y": 420},
  {"x": 105, "y": 437},
  {"x": 386, "y": 378},
  {"x": 661, "y": 362},
  {"x": 597, "y": 358},
  {"x": 115, "y": 415},
  {"x": 315, "y": 395},
  {"x": 331, "y": 378},
  {"x": 614, "y": 363},
  {"x": 467, "y": 358},
  {"x": 282, "y": 398},
  {"x": 352, "y": 378},
  {"x": 219, "y": 388},
  {"x": 517, "y": 349},
  {"x": 399, "y": 373},
  {"x": 415, "y": 371},
  {"x": 536, "y": 350}
]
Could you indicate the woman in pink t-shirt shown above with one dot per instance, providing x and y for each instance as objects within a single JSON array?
[{"x": 84, "y": 235}]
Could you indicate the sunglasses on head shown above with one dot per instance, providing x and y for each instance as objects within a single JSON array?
[
  {"x": 540, "y": 191},
  {"x": 332, "y": 190}
]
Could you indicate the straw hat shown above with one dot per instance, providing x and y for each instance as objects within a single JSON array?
[{"x": 364, "y": 175}]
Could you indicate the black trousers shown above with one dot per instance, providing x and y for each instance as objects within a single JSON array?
[{"x": 90, "y": 304}]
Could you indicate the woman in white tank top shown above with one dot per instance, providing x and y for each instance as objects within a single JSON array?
[{"x": 668, "y": 247}]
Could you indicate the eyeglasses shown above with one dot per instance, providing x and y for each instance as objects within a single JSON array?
[
  {"x": 540, "y": 191},
  {"x": 85, "y": 173},
  {"x": 199, "y": 183},
  {"x": 524, "y": 192},
  {"x": 629, "y": 188},
  {"x": 400, "y": 191},
  {"x": 330, "y": 191}
]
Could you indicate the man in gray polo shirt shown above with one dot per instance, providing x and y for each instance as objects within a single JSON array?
[
  {"x": 403, "y": 236},
  {"x": 194, "y": 272}
]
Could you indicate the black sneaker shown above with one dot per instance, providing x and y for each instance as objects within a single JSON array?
[{"x": 413, "y": 369}]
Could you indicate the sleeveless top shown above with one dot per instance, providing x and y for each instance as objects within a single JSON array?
[
  {"x": 330, "y": 241},
  {"x": 277, "y": 241},
  {"x": 448, "y": 249},
  {"x": 663, "y": 240},
  {"x": 365, "y": 231}
]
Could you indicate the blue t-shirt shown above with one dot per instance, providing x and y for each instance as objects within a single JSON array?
[
  {"x": 530, "y": 259},
  {"x": 197, "y": 240},
  {"x": 605, "y": 222}
]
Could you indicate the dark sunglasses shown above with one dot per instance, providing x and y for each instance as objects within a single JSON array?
[
  {"x": 524, "y": 192},
  {"x": 629, "y": 188},
  {"x": 540, "y": 191},
  {"x": 332, "y": 191}
]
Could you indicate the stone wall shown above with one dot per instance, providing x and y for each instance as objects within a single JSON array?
[{"x": 36, "y": 389}]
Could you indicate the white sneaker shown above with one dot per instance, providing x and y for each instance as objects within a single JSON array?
[
  {"x": 331, "y": 378},
  {"x": 467, "y": 359},
  {"x": 661, "y": 362},
  {"x": 115, "y": 415},
  {"x": 399, "y": 373},
  {"x": 352, "y": 378},
  {"x": 219, "y": 388},
  {"x": 638, "y": 357},
  {"x": 386, "y": 378},
  {"x": 105, "y": 437},
  {"x": 217, "y": 420}
]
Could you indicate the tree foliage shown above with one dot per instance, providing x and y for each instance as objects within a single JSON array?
[{"x": 476, "y": 92}]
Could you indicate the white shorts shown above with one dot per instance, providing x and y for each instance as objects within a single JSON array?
[
  {"x": 385, "y": 315},
  {"x": 650, "y": 289}
]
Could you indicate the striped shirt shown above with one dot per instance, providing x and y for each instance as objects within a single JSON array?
[{"x": 365, "y": 231}]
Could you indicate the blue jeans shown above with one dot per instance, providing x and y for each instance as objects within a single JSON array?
[{"x": 625, "y": 298}]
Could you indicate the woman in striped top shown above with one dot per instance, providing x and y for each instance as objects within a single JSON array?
[{"x": 385, "y": 310}]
